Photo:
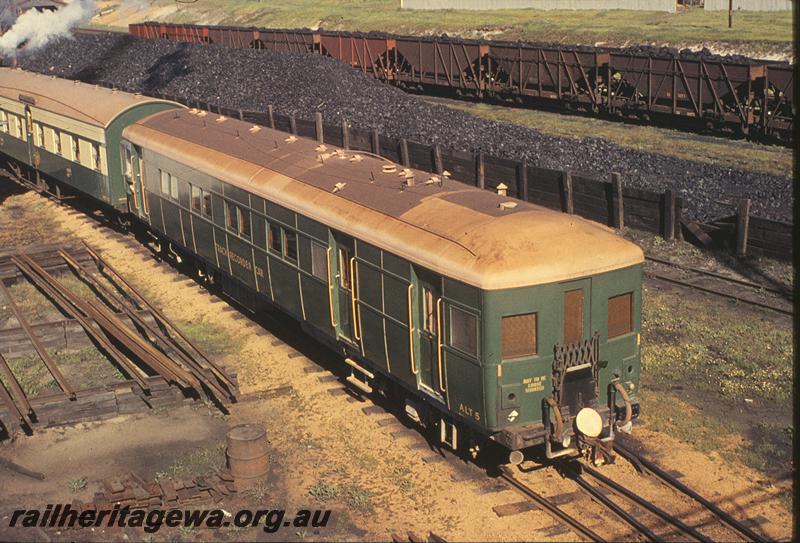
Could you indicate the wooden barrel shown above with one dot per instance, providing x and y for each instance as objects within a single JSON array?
[{"x": 247, "y": 451}]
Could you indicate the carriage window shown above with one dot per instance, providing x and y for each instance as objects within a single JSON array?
[
  {"x": 275, "y": 241},
  {"x": 173, "y": 187},
  {"x": 164, "y": 181},
  {"x": 197, "y": 198},
  {"x": 14, "y": 125},
  {"x": 620, "y": 315},
  {"x": 319, "y": 261},
  {"x": 519, "y": 336},
  {"x": 573, "y": 316},
  {"x": 126, "y": 163},
  {"x": 95, "y": 150},
  {"x": 207, "y": 204},
  {"x": 38, "y": 135},
  {"x": 429, "y": 310},
  {"x": 463, "y": 331},
  {"x": 231, "y": 217},
  {"x": 244, "y": 222},
  {"x": 3, "y": 121},
  {"x": 56, "y": 142},
  {"x": 291, "y": 246},
  {"x": 76, "y": 148},
  {"x": 344, "y": 267}
]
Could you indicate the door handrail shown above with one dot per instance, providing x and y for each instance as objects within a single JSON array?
[
  {"x": 353, "y": 300},
  {"x": 330, "y": 287},
  {"x": 414, "y": 370},
  {"x": 439, "y": 343}
]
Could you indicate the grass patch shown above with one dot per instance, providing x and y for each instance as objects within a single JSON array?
[
  {"x": 670, "y": 414},
  {"x": 351, "y": 494},
  {"x": 565, "y": 26},
  {"x": 32, "y": 374},
  {"x": 742, "y": 155},
  {"x": 196, "y": 463},
  {"x": 86, "y": 368},
  {"x": 82, "y": 368},
  {"x": 730, "y": 354},
  {"x": 324, "y": 491},
  {"x": 210, "y": 338},
  {"x": 770, "y": 449},
  {"x": 718, "y": 379},
  {"x": 76, "y": 485}
]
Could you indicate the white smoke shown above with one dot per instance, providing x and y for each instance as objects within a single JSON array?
[{"x": 35, "y": 29}]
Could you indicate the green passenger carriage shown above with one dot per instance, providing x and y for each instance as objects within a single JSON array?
[
  {"x": 67, "y": 134},
  {"x": 492, "y": 318}
]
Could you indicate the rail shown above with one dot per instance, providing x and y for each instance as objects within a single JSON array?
[
  {"x": 549, "y": 507},
  {"x": 648, "y": 466},
  {"x": 779, "y": 301}
]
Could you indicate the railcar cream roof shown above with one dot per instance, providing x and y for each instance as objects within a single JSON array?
[
  {"x": 90, "y": 104},
  {"x": 454, "y": 229}
]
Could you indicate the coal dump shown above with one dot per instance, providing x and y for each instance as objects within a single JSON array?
[{"x": 303, "y": 84}]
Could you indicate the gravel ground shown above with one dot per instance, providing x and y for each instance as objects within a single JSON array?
[{"x": 301, "y": 84}]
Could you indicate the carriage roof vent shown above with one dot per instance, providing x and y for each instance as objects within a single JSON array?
[
  {"x": 221, "y": 119},
  {"x": 507, "y": 205}
]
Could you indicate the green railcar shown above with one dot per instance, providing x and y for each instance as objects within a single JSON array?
[
  {"x": 493, "y": 319},
  {"x": 66, "y": 134},
  {"x": 496, "y": 319}
]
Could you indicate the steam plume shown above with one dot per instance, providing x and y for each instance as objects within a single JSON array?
[{"x": 37, "y": 28}]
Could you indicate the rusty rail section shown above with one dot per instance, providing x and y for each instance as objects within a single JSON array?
[{"x": 147, "y": 349}]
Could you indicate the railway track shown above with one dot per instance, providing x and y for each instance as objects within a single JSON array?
[
  {"x": 639, "y": 517},
  {"x": 747, "y": 292}
]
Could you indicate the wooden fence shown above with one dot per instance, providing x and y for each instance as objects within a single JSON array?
[{"x": 607, "y": 201}]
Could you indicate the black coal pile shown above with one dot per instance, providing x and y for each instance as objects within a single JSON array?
[{"x": 303, "y": 84}]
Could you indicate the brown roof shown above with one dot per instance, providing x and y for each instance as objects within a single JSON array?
[
  {"x": 455, "y": 229},
  {"x": 90, "y": 104}
]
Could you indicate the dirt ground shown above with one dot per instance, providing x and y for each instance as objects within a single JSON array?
[{"x": 326, "y": 453}]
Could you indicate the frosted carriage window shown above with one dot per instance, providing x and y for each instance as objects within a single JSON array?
[
  {"x": 620, "y": 315},
  {"x": 519, "y": 336},
  {"x": 463, "y": 331}
]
